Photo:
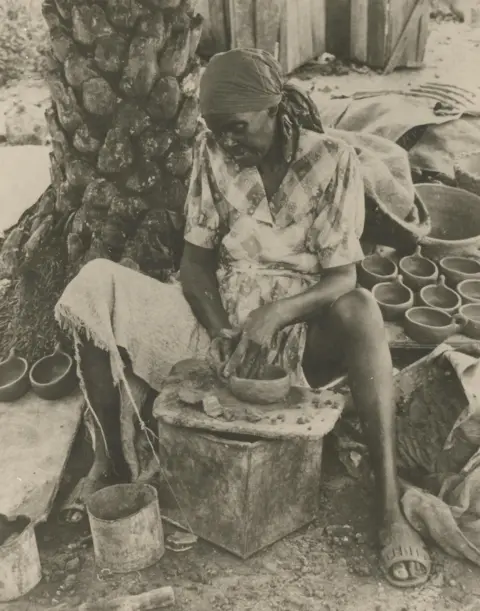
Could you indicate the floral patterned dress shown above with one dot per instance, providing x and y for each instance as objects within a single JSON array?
[{"x": 273, "y": 249}]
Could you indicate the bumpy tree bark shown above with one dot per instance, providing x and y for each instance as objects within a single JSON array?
[{"x": 123, "y": 76}]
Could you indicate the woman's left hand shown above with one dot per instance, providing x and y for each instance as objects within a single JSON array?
[{"x": 263, "y": 323}]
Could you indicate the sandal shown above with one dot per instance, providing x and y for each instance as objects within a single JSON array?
[
  {"x": 73, "y": 510},
  {"x": 405, "y": 546}
]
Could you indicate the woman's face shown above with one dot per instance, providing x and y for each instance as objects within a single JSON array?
[{"x": 246, "y": 137}]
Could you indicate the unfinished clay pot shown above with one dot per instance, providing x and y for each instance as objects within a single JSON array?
[
  {"x": 394, "y": 298},
  {"x": 430, "y": 326},
  {"x": 375, "y": 269},
  {"x": 417, "y": 270},
  {"x": 455, "y": 222},
  {"x": 441, "y": 297},
  {"x": 273, "y": 388},
  {"x": 14, "y": 382},
  {"x": 457, "y": 269},
  {"x": 53, "y": 376},
  {"x": 469, "y": 291},
  {"x": 470, "y": 314}
]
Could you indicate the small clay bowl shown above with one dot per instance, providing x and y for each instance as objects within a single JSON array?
[
  {"x": 458, "y": 269},
  {"x": 430, "y": 326},
  {"x": 273, "y": 388},
  {"x": 53, "y": 376},
  {"x": 470, "y": 314},
  {"x": 375, "y": 269},
  {"x": 441, "y": 297},
  {"x": 469, "y": 291},
  {"x": 14, "y": 382},
  {"x": 394, "y": 298},
  {"x": 417, "y": 270}
]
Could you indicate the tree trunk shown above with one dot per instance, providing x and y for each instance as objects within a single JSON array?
[{"x": 123, "y": 77}]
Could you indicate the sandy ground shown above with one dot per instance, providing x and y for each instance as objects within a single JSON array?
[{"x": 310, "y": 570}]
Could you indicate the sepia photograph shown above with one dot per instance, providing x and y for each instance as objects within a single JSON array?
[{"x": 240, "y": 305}]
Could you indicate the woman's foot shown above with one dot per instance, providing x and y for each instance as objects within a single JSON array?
[
  {"x": 405, "y": 560},
  {"x": 73, "y": 510}
]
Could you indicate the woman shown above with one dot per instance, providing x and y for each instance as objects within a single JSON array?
[{"x": 274, "y": 216}]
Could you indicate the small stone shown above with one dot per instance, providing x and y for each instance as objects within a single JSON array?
[
  {"x": 69, "y": 582},
  {"x": 339, "y": 530},
  {"x": 438, "y": 580},
  {"x": 452, "y": 583},
  {"x": 73, "y": 565}
]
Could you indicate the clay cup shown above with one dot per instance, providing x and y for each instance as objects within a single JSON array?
[
  {"x": 417, "y": 270},
  {"x": 394, "y": 298},
  {"x": 375, "y": 269},
  {"x": 458, "y": 269},
  {"x": 439, "y": 296},
  {"x": 430, "y": 326},
  {"x": 470, "y": 314},
  {"x": 469, "y": 291}
]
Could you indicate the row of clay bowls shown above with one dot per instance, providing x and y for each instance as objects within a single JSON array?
[
  {"x": 52, "y": 377},
  {"x": 431, "y": 321}
]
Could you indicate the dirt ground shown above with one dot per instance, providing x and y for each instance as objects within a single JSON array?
[{"x": 314, "y": 569}]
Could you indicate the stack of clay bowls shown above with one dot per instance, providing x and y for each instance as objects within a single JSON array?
[{"x": 427, "y": 297}]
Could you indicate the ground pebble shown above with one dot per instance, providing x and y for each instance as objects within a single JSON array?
[
  {"x": 438, "y": 580},
  {"x": 69, "y": 582},
  {"x": 338, "y": 530},
  {"x": 452, "y": 583},
  {"x": 72, "y": 565}
]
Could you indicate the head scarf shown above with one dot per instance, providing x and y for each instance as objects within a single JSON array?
[{"x": 251, "y": 80}]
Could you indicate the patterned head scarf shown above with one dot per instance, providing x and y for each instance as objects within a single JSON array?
[{"x": 251, "y": 80}]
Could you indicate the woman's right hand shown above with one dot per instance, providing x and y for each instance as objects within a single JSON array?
[{"x": 222, "y": 347}]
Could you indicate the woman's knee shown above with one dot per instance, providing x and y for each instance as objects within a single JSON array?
[{"x": 357, "y": 308}]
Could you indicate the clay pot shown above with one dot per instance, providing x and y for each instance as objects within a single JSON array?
[
  {"x": 394, "y": 298},
  {"x": 469, "y": 291},
  {"x": 14, "y": 382},
  {"x": 273, "y": 388},
  {"x": 430, "y": 326},
  {"x": 441, "y": 297},
  {"x": 457, "y": 269},
  {"x": 417, "y": 270},
  {"x": 454, "y": 219},
  {"x": 53, "y": 376},
  {"x": 375, "y": 269},
  {"x": 470, "y": 315}
]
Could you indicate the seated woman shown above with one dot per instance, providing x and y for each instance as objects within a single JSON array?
[{"x": 274, "y": 216}]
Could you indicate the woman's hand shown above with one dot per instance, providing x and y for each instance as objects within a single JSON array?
[
  {"x": 263, "y": 323},
  {"x": 222, "y": 347}
]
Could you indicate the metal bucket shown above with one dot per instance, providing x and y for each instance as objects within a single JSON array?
[
  {"x": 20, "y": 569},
  {"x": 126, "y": 527}
]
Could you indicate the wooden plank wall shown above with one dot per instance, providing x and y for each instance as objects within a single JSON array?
[
  {"x": 293, "y": 30},
  {"x": 373, "y": 30}
]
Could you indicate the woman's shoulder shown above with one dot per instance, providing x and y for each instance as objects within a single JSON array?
[{"x": 315, "y": 143}]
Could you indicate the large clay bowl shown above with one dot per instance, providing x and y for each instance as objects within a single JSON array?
[
  {"x": 469, "y": 291},
  {"x": 375, "y": 269},
  {"x": 14, "y": 382},
  {"x": 430, "y": 326},
  {"x": 394, "y": 298},
  {"x": 441, "y": 297},
  {"x": 455, "y": 221},
  {"x": 53, "y": 376},
  {"x": 470, "y": 314},
  {"x": 273, "y": 388},
  {"x": 458, "y": 269},
  {"x": 418, "y": 271}
]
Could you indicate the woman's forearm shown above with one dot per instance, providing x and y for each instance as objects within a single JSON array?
[
  {"x": 301, "y": 307},
  {"x": 200, "y": 288}
]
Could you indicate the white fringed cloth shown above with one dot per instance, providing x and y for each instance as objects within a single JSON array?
[{"x": 116, "y": 307}]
